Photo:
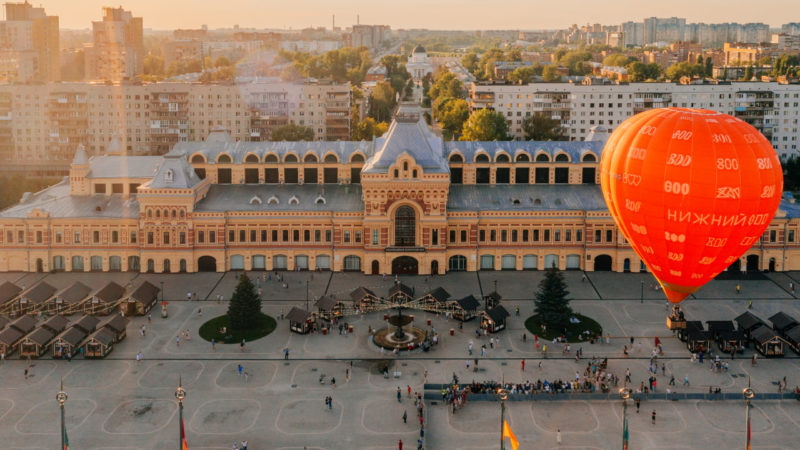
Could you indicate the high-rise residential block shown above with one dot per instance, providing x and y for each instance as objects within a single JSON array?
[
  {"x": 29, "y": 45},
  {"x": 117, "y": 50}
]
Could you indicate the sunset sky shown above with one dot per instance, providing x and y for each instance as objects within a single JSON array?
[{"x": 435, "y": 14}]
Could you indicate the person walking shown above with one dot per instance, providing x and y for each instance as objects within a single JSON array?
[
  {"x": 241, "y": 346},
  {"x": 467, "y": 363},
  {"x": 333, "y": 382},
  {"x": 399, "y": 395},
  {"x": 409, "y": 391},
  {"x": 653, "y": 417},
  {"x": 405, "y": 417},
  {"x": 400, "y": 444},
  {"x": 738, "y": 289},
  {"x": 244, "y": 444},
  {"x": 26, "y": 373},
  {"x": 523, "y": 365},
  {"x": 286, "y": 353},
  {"x": 240, "y": 368},
  {"x": 686, "y": 380},
  {"x": 638, "y": 402},
  {"x": 213, "y": 345},
  {"x": 558, "y": 434}
]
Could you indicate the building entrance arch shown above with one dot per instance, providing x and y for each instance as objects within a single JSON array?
[
  {"x": 602, "y": 263},
  {"x": 405, "y": 265},
  {"x": 376, "y": 267},
  {"x": 405, "y": 227},
  {"x": 207, "y": 264}
]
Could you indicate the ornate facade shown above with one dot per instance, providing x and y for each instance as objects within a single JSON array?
[{"x": 406, "y": 203}]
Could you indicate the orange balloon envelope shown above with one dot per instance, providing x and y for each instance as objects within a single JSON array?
[{"x": 691, "y": 190}]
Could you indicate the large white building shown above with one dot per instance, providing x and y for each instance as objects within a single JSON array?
[
  {"x": 773, "y": 108},
  {"x": 418, "y": 65}
]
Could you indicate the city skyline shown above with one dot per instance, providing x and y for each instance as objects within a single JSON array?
[{"x": 467, "y": 15}]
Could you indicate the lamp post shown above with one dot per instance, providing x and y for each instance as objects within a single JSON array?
[
  {"x": 61, "y": 397},
  {"x": 180, "y": 394},
  {"x": 162, "y": 291},
  {"x": 625, "y": 394},
  {"x": 748, "y": 394},
  {"x": 641, "y": 293},
  {"x": 306, "y": 295},
  {"x": 502, "y": 394}
]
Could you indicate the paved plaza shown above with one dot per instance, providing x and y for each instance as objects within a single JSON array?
[{"x": 121, "y": 404}]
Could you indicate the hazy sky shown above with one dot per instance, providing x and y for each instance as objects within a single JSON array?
[{"x": 435, "y": 14}]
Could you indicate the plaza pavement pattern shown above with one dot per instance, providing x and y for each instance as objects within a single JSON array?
[{"x": 116, "y": 403}]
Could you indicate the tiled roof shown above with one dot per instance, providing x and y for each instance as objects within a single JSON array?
[
  {"x": 76, "y": 292},
  {"x": 176, "y": 173},
  {"x": 8, "y": 291},
  {"x": 39, "y": 293},
  {"x": 412, "y": 137},
  {"x": 575, "y": 150},
  {"x": 238, "y": 151},
  {"x": 115, "y": 166}
]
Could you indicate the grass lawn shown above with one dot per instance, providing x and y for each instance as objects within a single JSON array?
[
  {"x": 534, "y": 325},
  {"x": 210, "y": 330}
]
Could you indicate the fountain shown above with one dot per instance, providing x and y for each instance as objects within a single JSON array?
[{"x": 400, "y": 338}]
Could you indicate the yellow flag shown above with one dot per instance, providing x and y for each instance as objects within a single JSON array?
[{"x": 507, "y": 433}]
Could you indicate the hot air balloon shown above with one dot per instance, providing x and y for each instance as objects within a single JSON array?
[{"x": 691, "y": 190}]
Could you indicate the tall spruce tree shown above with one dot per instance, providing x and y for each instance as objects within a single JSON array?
[
  {"x": 551, "y": 303},
  {"x": 244, "y": 308}
]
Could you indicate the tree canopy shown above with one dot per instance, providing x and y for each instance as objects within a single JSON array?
[
  {"x": 382, "y": 101},
  {"x": 685, "y": 69},
  {"x": 550, "y": 74},
  {"x": 485, "y": 125},
  {"x": 638, "y": 71},
  {"x": 292, "y": 132},
  {"x": 618, "y": 60},
  {"x": 368, "y": 128},
  {"x": 244, "y": 309},
  {"x": 540, "y": 127},
  {"x": 550, "y": 302},
  {"x": 342, "y": 65}
]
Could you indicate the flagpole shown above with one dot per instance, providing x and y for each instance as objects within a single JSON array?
[
  {"x": 748, "y": 394},
  {"x": 625, "y": 394},
  {"x": 502, "y": 393},
  {"x": 180, "y": 394},
  {"x": 61, "y": 397}
]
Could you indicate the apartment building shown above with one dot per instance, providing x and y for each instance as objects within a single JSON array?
[
  {"x": 117, "y": 50},
  {"x": 29, "y": 45},
  {"x": 46, "y": 123},
  {"x": 773, "y": 108}
]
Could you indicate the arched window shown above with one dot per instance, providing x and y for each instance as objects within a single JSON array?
[
  {"x": 224, "y": 159},
  {"x": 357, "y": 157},
  {"x": 456, "y": 158},
  {"x": 523, "y": 157},
  {"x": 271, "y": 159},
  {"x": 168, "y": 176},
  {"x": 457, "y": 263},
  {"x": 562, "y": 157},
  {"x": 331, "y": 158},
  {"x": 58, "y": 263},
  {"x": 589, "y": 158},
  {"x": 182, "y": 214},
  {"x": 251, "y": 158},
  {"x": 198, "y": 159},
  {"x": 174, "y": 214},
  {"x": 405, "y": 227},
  {"x": 482, "y": 157},
  {"x": 310, "y": 158},
  {"x": 290, "y": 158},
  {"x": 133, "y": 263},
  {"x": 158, "y": 213},
  {"x": 166, "y": 266},
  {"x": 405, "y": 165},
  {"x": 149, "y": 213},
  {"x": 542, "y": 157},
  {"x": 502, "y": 158},
  {"x": 77, "y": 263},
  {"x": 114, "y": 263}
]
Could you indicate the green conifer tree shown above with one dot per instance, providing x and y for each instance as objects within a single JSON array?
[
  {"x": 551, "y": 303},
  {"x": 244, "y": 308}
]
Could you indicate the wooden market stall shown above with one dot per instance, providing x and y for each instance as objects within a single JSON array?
[
  {"x": 683, "y": 333},
  {"x": 767, "y": 342},
  {"x": 68, "y": 342},
  {"x": 719, "y": 326},
  {"x": 9, "y": 338},
  {"x": 116, "y": 324},
  {"x": 364, "y": 299},
  {"x": 86, "y": 323},
  {"x": 792, "y": 338},
  {"x": 67, "y": 299},
  {"x": 435, "y": 299},
  {"x": 400, "y": 293},
  {"x": 30, "y": 300},
  {"x": 329, "y": 308},
  {"x": 8, "y": 292},
  {"x": 699, "y": 340},
  {"x": 104, "y": 299},
  {"x": 465, "y": 308},
  {"x": 730, "y": 341},
  {"x": 24, "y": 324},
  {"x": 494, "y": 320},
  {"x": 747, "y": 322},
  {"x": 35, "y": 343},
  {"x": 300, "y": 320},
  {"x": 782, "y": 322},
  {"x": 141, "y": 300},
  {"x": 99, "y": 344}
]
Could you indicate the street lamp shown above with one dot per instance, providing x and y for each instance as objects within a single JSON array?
[
  {"x": 306, "y": 295},
  {"x": 625, "y": 394},
  {"x": 641, "y": 293},
  {"x": 180, "y": 394},
  {"x": 748, "y": 394},
  {"x": 502, "y": 394},
  {"x": 162, "y": 291},
  {"x": 61, "y": 397}
]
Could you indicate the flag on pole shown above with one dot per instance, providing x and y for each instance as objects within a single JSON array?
[
  {"x": 625, "y": 434},
  {"x": 184, "y": 445},
  {"x": 507, "y": 433}
]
